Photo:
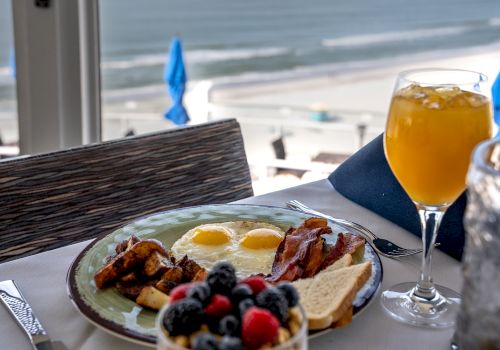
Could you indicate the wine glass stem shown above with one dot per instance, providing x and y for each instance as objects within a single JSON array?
[{"x": 430, "y": 218}]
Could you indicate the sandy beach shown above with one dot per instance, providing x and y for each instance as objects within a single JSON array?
[
  {"x": 354, "y": 97},
  {"x": 357, "y": 89}
]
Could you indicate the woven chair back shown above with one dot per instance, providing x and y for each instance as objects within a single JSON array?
[{"x": 55, "y": 199}]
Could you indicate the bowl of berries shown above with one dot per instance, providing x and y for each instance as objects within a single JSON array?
[{"x": 224, "y": 313}]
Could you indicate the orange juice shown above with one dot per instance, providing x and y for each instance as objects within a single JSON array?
[{"x": 430, "y": 135}]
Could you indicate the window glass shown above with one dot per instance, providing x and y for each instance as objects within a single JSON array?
[
  {"x": 8, "y": 104},
  {"x": 309, "y": 82}
]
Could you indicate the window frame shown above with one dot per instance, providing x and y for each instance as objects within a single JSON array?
[{"x": 58, "y": 74}]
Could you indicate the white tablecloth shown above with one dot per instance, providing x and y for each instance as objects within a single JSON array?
[{"x": 42, "y": 279}]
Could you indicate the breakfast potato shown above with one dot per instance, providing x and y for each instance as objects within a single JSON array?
[
  {"x": 127, "y": 260},
  {"x": 173, "y": 274},
  {"x": 189, "y": 268},
  {"x": 165, "y": 286},
  {"x": 126, "y": 244},
  {"x": 128, "y": 290},
  {"x": 201, "y": 275},
  {"x": 152, "y": 298},
  {"x": 157, "y": 264}
]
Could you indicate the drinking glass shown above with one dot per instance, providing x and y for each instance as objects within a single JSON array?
[
  {"x": 478, "y": 321},
  {"x": 436, "y": 118}
]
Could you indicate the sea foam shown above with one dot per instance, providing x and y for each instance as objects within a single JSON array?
[{"x": 372, "y": 39}]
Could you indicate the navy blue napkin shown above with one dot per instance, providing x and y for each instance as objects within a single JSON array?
[{"x": 366, "y": 179}]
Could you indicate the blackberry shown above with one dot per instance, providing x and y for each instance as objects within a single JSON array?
[
  {"x": 289, "y": 292},
  {"x": 229, "y": 325},
  {"x": 222, "y": 278},
  {"x": 213, "y": 324},
  {"x": 230, "y": 343},
  {"x": 273, "y": 300},
  {"x": 244, "y": 305},
  {"x": 205, "y": 341},
  {"x": 183, "y": 317},
  {"x": 200, "y": 292},
  {"x": 240, "y": 292}
]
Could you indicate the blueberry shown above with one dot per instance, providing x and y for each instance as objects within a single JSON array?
[
  {"x": 244, "y": 305},
  {"x": 289, "y": 292},
  {"x": 205, "y": 341},
  {"x": 273, "y": 300},
  {"x": 222, "y": 278},
  {"x": 230, "y": 343},
  {"x": 240, "y": 292},
  {"x": 229, "y": 325},
  {"x": 200, "y": 292},
  {"x": 183, "y": 317}
]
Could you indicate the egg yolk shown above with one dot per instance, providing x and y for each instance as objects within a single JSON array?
[
  {"x": 211, "y": 235},
  {"x": 261, "y": 238}
]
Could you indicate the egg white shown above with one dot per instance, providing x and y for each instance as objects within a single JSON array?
[{"x": 246, "y": 261}]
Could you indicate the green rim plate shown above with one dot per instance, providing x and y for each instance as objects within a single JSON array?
[{"x": 109, "y": 310}]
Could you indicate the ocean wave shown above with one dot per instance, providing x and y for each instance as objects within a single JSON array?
[
  {"x": 305, "y": 72},
  {"x": 137, "y": 61},
  {"x": 323, "y": 70},
  {"x": 370, "y": 39},
  {"x": 494, "y": 22},
  {"x": 209, "y": 56},
  {"x": 196, "y": 57}
]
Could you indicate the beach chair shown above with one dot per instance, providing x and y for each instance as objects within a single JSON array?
[{"x": 55, "y": 199}]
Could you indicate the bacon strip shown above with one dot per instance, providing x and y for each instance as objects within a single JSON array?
[
  {"x": 300, "y": 253},
  {"x": 347, "y": 243},
  {"x": 303, "y": 252}
]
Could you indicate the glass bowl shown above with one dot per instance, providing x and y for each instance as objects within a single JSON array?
[{"x": 297, "y": 342}]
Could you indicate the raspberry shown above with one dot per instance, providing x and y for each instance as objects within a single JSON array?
[
  {"x": 273, "y": 300},
  {"x": 219, "y": 306},
  {"x": 289, "y": 292},
  {"x": 200, "y": 292},
  {"x": 257, "y": 283},
  {"x": 230, "y": 343},
  {"x": 222, "y": 278},
  {"x": 205, "y": 341},
  {"x": 179, "y": 292},
  {"x": 259, "y": 327},
  {"x": 183, "y": 317}
]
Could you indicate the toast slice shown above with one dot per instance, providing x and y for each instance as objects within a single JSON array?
[
  {"x": 329, "y": 295},
  {"x": 302, "y": 285},
  {"x": 346, "y": 260}
]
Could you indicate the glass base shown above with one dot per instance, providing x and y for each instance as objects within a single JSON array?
[{"x": 402, "y": 304}]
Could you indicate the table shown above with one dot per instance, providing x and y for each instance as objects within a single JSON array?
[{"x": 42, "y": 279}]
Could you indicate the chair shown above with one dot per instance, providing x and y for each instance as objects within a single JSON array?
[{"x": 55, "y": 199}]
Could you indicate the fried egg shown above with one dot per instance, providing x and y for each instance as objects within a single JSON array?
[{"x": 250, "y": 246}]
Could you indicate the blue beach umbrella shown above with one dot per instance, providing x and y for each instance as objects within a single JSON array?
[
  {"x": 495, "y": 94},
  {"x": 12, "y": 63},
  {"x": 175, "y": 77}
]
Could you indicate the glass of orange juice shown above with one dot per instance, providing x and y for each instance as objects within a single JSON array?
[{"x": 436, "y": 118}]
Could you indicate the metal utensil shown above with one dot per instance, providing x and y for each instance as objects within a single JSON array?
[
  {"x": 381, "y": 245},
  {"x": 22, "y": 312}
]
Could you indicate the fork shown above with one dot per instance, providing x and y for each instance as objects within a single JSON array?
[{"x": 381, "y": 245}]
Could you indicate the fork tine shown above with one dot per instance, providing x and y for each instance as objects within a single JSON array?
[
  {"x": 296, "y": 205},
  {"x": 404, "y": 250},
  {"x": 407, "y": 253}
]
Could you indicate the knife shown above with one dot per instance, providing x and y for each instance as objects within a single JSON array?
[{"x": 23, "y": 314}]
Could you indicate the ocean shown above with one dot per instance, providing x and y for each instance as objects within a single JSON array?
[{"x": 235, "y": 38}]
